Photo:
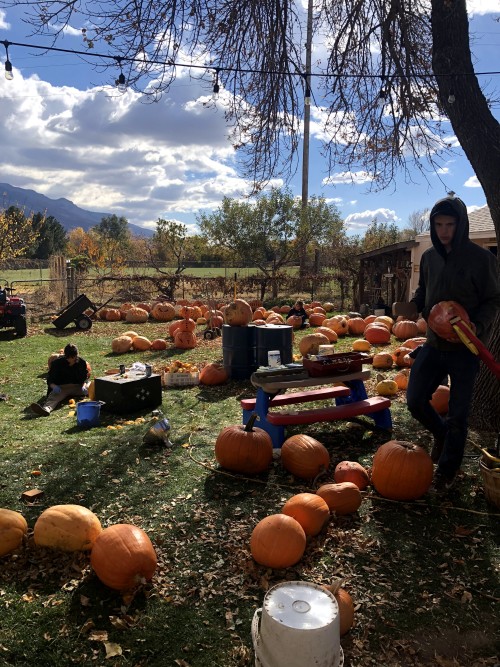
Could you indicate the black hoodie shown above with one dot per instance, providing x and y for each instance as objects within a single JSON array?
[{"x": 467, "y": 274}]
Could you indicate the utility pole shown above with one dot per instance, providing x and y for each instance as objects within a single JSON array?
[{"x": 307, "y": 124}]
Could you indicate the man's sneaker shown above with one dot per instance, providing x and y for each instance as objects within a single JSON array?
[
  {"x": 437, "y": 450},
  {"x": 39, "y": 410},
  {"x": 441, "y": 483}
]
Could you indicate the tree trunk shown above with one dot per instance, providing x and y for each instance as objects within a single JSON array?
[{"x": 479, "y": 135}]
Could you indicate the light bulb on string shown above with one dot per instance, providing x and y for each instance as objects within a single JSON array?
[
  {"x": 451, "y": 98},
  {"x": 121, "y": 81},
  {"x": 307, "y": 97},
  {"x": 216, "y": 88},
  {"x": 9, "y": 75},
  {"x": 382, "y": 99}
]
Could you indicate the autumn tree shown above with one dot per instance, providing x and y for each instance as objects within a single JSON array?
[
  {"x": 17, "y": 233},
  {"x": 380, "y": 234}
]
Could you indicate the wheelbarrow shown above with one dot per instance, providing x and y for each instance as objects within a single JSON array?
[{"x": 75, "y": 312}]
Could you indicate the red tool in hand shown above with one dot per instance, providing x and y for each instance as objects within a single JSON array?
[{"x": 469, "y": 338}]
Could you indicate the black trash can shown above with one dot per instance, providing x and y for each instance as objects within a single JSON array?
[
  {"x": 238, "y": 351},
  {"x": 274, "y": 337}
]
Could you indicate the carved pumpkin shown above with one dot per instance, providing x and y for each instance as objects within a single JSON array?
[
  {"x": 377, "y": 334},
  {"x": 238, "y": 313},
  {"x": 213, "y": 374},
  {"x": 184, "y": 340},
  {"x": 53, "y": 357},
  {"x": 310, "y": 510},
  {"x": 13, "y": 528},
  {"x": 405, "y": 329},
  {"x": 67, "y": 527},
  {"x": 136, "y": 315},
  {"x": 172, "y": 328},
  {"x": 186, "y": 324},
  {"x": 294, "y": 321},
  {"x": 123, "y": 557},
  {"x": 278, "y": 541},
  {"x": 342, "y": 497},
  {"x": 337, "y": 323},
  {"x": 440, "y": 316},
  {"x": 412, "y": 343},
  {"x": 121, "y": 344},
  {"x": 244, "y": 449},
  {"x": 163, "y": 312},
  {"x": 400, "y": 356},
  {"x": 141, "y": 343},
  {"x": 352, "y": 471},
  {"x": 440, "y": 399},
  {"x": 382, "y": 360},
  {"x": 304, "y": 456},
  {"x": 310, "y": 343},
  {"x": 401, "y": 470}
]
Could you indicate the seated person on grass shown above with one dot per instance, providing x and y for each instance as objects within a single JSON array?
[
  {"x": 66, "y": 378},
  {"x": 298, "y": 311}
]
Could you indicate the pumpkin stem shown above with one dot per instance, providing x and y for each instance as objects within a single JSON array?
[{"x": 251, "y": 422}]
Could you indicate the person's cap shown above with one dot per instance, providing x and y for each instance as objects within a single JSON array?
[{"x": 444, "y": 207}]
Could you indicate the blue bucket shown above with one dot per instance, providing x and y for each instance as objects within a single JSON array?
[{"x": 87, "y": 413}]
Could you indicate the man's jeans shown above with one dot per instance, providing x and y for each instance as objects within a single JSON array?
[
  {"x": 67, "y": 391},
  {"x": 427, "y": 371}
]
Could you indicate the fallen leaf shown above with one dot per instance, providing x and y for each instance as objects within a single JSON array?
[{"x": 112, "y": 649}]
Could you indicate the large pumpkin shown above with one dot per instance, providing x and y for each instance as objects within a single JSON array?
[
  {"x": 346, "y": 606},
  {"x": 67, "y": 527},
  {"x": 163, "y": 312},
  {"x": 310, "y": 343},
  {"x": 386, "y": 387},
  {"x": 304, "y": 456},
  {"x": 123, "y": 557},
  {"x": 440, "y": 316},
  {"x": 405, "y": 329},
  {"x": 316, "y": 319},
  {"x": 337, "y": 323},
  {"x": 361, "y": 345},
  {"x": 352, "y": 471},
  {"x": 238, "y": 313},
  {"x": 213, "y": 374},
  {"x": 113, "y": 315},
  {"x": 310, "y": 510},
  {"x": 186, "y": 324},
  {"x": 13, "y": 528},
  {"x": 382, "y": 360},
  {"x": 341, "y": 498},
  {"x": 356, "y": 326},
  {"x": 141, "y": 343},
  {"x": 244, "y": 449},
  {"x": 401, "y": 378},
  {"x": 377, "y": 334},
  {"x": 159, "y": 344},
  {"x": 401, "y": 470},
  {"x": 329, "y": 333},
  {"x": 184, "y": 340},
  {"x": 294, "y": 321},
  {"x": 278, "y": 541},
  {"x": 121, "y": 344},
  {"x": 136, "y": 314}
]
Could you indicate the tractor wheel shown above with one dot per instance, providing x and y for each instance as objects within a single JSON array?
[
  {"x": 209, "y": 334},
  {"x": 83, "y": 322},
  {"x": 21, "y": 326}
]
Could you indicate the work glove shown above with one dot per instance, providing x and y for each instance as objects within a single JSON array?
[{"x": 56, "y": 389}]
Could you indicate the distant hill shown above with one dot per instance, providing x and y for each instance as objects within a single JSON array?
[{"x": 67, "y": 213}]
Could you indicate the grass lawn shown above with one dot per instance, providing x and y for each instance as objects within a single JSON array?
[{"x": 424, "y": 575}]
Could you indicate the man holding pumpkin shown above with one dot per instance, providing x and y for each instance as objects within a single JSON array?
[
  {"x": 66, "y": 378},
  {"x": 453, "y": 270},
  {"x": 298, "y": 310}
]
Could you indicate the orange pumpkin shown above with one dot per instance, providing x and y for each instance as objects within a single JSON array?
[
  {"x": 401, "y": 470},
  {"x": 159, "y": 344},
  {"x": 352, "y": 471},
  {"x": 113, "y": 315},
  {"x": 440, "y": 316},
  {"x": 244, "y": 449},
  {"x": 341, "y": 498},
  {"x": 294, "y": 321},
  {"x": 238, "y": 313},
  {"x": 337, "y": 323},
  {"x": 163, "y": 312},
  {"x": 401, "y": 378},
  {"x": 382, "y": 360},
  {"x": 400, "y": 356},
  {"x": 329, "y": 333},
  {"x": 316, "y": 319},
  {"x": 141, "y": 343},
  {"x": 405, "y": 329},
  {"x": 310, "y": 510},
  {"x": 136, "y": 315},
  {"x": 121, "y": 344},
  {"x": 377, "y": 334},
  {"x": 13, "y": 528},
  {"x": 184, "y": 340},
  {"x": 310, "y": 343},
  {"x": 123, "y": 557},
  {"x": 304, "y": 456},
  {"x": 186, "y": 324},
  {"x": 356, "y": 326},
  {"x": 421, "y": 325},
  {"x": 345, "y": 604},
  {"x": 412, "y": 343},
  {"x": 67, "y": 527},
  {"x": 213, "y": 374},
  {"x": 278, "y": 541},
  {"x": 173, "y": 327},
  {"x": 440, "y": 399}
]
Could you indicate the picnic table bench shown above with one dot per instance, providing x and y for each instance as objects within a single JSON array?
[{"x": 348, "y": 391}]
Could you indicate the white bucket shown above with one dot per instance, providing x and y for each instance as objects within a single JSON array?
[
  {"x": 379, "y": 311},
  {"x": 299, "y": 627}
]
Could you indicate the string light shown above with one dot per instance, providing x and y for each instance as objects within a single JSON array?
[
  {"x": 216, "y": 87},
  {"x": 120, "y": 82},
  {"x": 451, "y": 98},
  {"x": 8, "y": 65}
]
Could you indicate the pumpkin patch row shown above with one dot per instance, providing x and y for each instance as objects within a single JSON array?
[{"x": 121, "y": 555}]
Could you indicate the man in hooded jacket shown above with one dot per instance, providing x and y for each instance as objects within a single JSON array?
[{"x": 453, "y": 269}]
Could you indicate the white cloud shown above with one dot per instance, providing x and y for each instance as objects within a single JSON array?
[
  {"x": 333, "y": 200},
  {"x": 443, "y": 171},
  {"x": 472, "y": 182},
  {"x": 483, "y": 6},
  {"x": 4, "y": 25},
  {"x": 113, "y": 152},
  {"x": 363, "y": 219},
  {"x": 351, "y": 177}
]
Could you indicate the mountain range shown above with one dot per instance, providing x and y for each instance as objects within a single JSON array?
[{"x": 68, "y": 214}]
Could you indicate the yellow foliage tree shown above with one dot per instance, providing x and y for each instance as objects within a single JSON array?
[{"x": 17, "y": 233}]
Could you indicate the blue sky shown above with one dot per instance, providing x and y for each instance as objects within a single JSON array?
[{"x": 65, "y": 131}]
